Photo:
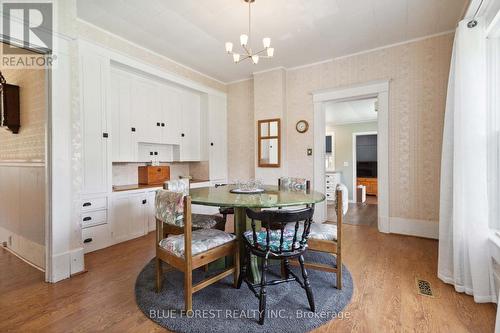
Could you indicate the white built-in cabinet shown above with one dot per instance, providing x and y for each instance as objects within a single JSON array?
[
  {"x": 217, "y": 138},
  {"x": 134, "y": 115},
  {"x": 94, "y": 73},
  {"x": 190, "y": 138}
]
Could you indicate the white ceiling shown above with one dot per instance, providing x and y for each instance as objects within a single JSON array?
[
  {"x": 193, "y": 32},
  {"x": 359, "y": 111}
]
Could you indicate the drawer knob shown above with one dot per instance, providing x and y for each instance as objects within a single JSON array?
[
  {"x": 86, "y": 204},
  {"x": 87, "y": 240},
  {"x": 87, "y": 218}
]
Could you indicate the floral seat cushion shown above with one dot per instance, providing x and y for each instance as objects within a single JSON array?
[
  {"x": 202, "y": 221},
  {"x": 274, "y": 239},
  {"x": 202, "y": 241},
  {"x": 293, "y": 184},
  {"x": 321, "y": 231}
]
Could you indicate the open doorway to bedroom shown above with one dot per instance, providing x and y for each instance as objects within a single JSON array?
[{"x": 351, "y": 157}]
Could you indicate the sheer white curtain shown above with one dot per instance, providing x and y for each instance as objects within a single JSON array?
[{"x": 463, "y": 221}]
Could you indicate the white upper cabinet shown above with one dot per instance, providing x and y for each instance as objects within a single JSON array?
[
  {"x": 189, "y": 148},
  {"x": 123, "y": 122},
  {"x": 217, "y": 137},
  {"x": 146, "y": 103},
  {"x": 171, "y": 116},
  {"x": 94, "y": 75}
]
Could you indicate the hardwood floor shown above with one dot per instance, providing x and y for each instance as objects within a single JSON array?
[
  {"x": 357, "y": 214},
  {"x": 384, "y": 268}
]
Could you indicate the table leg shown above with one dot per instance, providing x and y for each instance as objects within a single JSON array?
[{"x": 240, "y": 226}]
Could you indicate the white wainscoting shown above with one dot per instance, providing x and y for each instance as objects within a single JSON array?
[{"x": 22, "y": 210}]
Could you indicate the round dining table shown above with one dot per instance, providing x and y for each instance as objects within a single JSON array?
[{"x": 272, "y": 197}]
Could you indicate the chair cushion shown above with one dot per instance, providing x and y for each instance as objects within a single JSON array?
[
  {"x": 202, "y": 221},
  {"x": 202, "y": 241},
  {"x": 274, "y": 239},
  {"x": 321, "y": 231}
]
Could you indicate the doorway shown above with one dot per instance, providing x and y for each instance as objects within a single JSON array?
[{"x": 378, "y": 90}]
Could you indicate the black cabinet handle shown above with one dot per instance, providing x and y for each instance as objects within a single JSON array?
[
  {"x": 212, "y": 144},
  {"x": 144, "y": 201},
  {"x": 162, "y": 124},
  {"x": 182, "y": 134},
  {"x": 86, "y": 204},
  {"x": 87, "y": 218},
  {"x": 133, "y": 129},
  {"x": 156, "y": 153},
  {"x": 151, "y": 153},
  {"x": 157, "y": 124},
  {"x": 105, "y": 135},
  {"x": 88, "y": 240}
]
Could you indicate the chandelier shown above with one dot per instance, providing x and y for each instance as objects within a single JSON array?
[{"x": 244, "y": 42}]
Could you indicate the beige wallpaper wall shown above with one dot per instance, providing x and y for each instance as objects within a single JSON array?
[
  {"x": 29, "y": 144},
  {"x": 419, "y": 74},
  {"x": 96, "y": 35},
  {"x": 240, "y": 131}
]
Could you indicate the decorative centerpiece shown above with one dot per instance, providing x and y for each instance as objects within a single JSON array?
[{"x": 251, "y": 186}]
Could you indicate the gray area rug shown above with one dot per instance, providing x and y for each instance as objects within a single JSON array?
[{"x": 221, "y": 308}]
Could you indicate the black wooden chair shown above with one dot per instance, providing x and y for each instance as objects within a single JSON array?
[{"x": 276, "y": 242}]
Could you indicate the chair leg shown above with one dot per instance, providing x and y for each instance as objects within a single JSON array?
[
  {"x": 159, "y": 274},
  {"x": 307, "y": 285},
  {"x": 262, "y": 298},
  {"x": 236, "y": 279},
  {"x": 339, "y": 272},
  {"x": 286, "y": 264},
  {"x": 188, "y": 290},
  {"x": 243, "y": 270}
]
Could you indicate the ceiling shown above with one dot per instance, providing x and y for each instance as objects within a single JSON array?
[
  {"x": 358, "y": 111},
  {"x": 193, "y": 32}
]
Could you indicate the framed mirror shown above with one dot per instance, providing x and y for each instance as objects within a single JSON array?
[{"x": 269, "y": 143}]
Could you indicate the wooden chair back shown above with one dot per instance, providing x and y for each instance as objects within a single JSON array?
[{"x": 277, "y": 220}]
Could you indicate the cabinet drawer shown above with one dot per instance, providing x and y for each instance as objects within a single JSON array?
[
  {"x": 95, "y": 238},
  {"x": 94, "y": 204},
  {"x": 90, "y": 219}
]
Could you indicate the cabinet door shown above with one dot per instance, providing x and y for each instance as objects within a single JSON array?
[
  {"x": 151, "y": 210},
  {"x": 171, "y": 115},
  {"x": 217, "y": 137},
  {"x": 120, "y": 226},
  {"x": 94, "y": 75},
  {"x": 190, "y": 135},
  {"x": 146, "y": 107},
  {"x": 124, "y": 140},
  {"x": 138, "y": 219}
]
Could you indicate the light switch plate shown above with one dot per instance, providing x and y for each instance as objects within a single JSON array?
[{"x": 346, "y": 164}]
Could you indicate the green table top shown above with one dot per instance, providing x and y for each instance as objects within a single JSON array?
[{"x": 272, "y": 197}]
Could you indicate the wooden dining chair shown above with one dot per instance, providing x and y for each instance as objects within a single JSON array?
[
  {"x": 276, "y": 242},
  {"x": 199, "y": 221},
  {"x": 325, "y": 237},
  {"x": 191, "y": 249}
]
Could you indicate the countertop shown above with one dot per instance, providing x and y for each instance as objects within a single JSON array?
[{"x": 132, "y": 187}]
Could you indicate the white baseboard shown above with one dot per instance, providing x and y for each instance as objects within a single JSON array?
[
  {"x": 67, "y": 263},
  {"x": 414, "y": 227},
  {"x": 24, "y": 248},
  {"x": 77, "y": 262}
]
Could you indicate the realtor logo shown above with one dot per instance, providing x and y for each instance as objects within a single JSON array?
[{"x": 28, "y": 25}]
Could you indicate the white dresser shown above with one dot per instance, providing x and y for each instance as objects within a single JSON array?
[{"x": 331, "y": 181}]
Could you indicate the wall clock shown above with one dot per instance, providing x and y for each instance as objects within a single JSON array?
[{"x": 302, "y": 126}]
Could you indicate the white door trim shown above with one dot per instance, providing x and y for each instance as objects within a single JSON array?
[
  {"x": 379, "y": 89},
  {"x": 354, "y": 169}
]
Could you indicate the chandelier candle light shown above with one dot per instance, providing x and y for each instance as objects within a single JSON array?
[{"x": 244, "y": 42}]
